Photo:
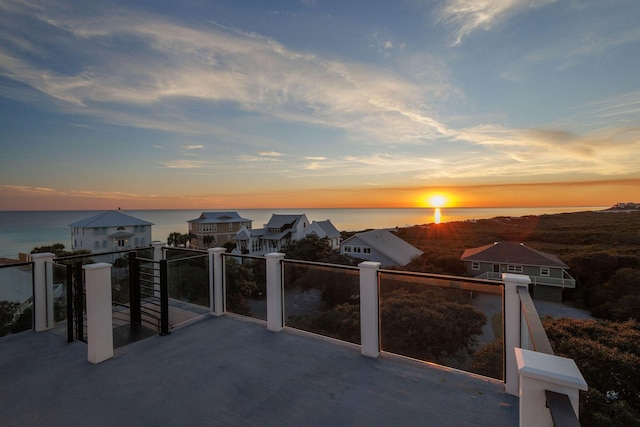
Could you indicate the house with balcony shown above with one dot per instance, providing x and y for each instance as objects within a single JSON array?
[
  {"x": 110, "y": 231},
  {"x": 280, "y": 231},
  {"x": 214, "y": 229},
  {"x": 547, "y": 272},
  {"x": 380, "y": 246}
]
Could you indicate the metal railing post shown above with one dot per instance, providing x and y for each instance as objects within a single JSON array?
[
  {"x": 78, "y": 304},
  {"x": 164, "y": 298},
  {"x": 69, "y": 280},
  {"x": 135, "y": 314}
]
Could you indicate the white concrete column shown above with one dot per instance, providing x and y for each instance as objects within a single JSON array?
[
  {"x": 540, "y": 372},
  {"x": 369, "y": 309},
  {"x": 216, "y": 281},
  {"x": 43, "y": 290},
  {"x": 157, "y": 257},
  {"x": 99, "y": 317},
  {"x": 512, "y": 327},
  {"x": 275, "y": 305}
]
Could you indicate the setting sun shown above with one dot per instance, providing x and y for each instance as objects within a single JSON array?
[{"x": 437, "y": 200}]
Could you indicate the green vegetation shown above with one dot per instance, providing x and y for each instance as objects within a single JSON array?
[{"x": 608, "y": 355}]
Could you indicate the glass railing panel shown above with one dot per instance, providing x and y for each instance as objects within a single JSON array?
[
  {"x": 323, "y": 299},
  {"x": 245, "y": 285},
  {"x": 451, "y": 321},
  {"x": 16, "y": 298},
  {"x": 188, "y": 278}
]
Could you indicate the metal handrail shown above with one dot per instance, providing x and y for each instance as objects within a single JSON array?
[{"x": 18, "y": 264}]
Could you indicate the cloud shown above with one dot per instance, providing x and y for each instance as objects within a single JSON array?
[
  {"x": 185, "y": 164},
  {"x": 466, "y": 16},
  {"x": 139, "y": 69},
  {"x": 27, "y": 189}
]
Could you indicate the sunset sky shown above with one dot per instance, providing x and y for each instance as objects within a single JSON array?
[{"x": 313, "y": 103}]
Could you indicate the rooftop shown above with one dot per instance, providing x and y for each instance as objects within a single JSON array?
[
  {"x": 232, "y": 371},
  {"x": 110, "y": 219}
]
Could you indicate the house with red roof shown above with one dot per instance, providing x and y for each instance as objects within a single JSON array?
[{"x": 547, "y": 272}]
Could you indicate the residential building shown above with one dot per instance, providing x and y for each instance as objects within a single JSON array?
[
  {"x": 281, "y": 230},
  {"x": 324, "y": 229},
  {"x": 110, "y": 231},
  {"x": 381, "y": 246},
  {"x": 213, "y": 229},
  {"x": 547, "y": 272}
]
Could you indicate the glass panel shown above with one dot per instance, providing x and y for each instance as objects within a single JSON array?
[
  {"x": 323, "y": 299},
  {"x": 245, "y": 286},
  {"x": 444, "y": 320},
  {"x": 16, "y": 299},
  {"x": 189, "y": 278}
]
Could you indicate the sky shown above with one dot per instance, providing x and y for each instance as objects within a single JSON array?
[{"x": 315, "y": 103}]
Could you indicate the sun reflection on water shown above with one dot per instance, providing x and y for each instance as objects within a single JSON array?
[{"x": 437, "y": 215}]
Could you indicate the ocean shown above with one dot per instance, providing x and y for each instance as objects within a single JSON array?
[{"x": 21, "y": 231}]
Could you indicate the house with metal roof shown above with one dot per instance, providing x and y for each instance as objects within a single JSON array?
[
  {"x": 324, "y": 229},
  {"x": 380, "y": 246},
  {"x": 110, "y": 231},
  {"x": 281, "y": 230},
  {"x": 213, "y": 229},
  {"x": 547, "y": 272}
]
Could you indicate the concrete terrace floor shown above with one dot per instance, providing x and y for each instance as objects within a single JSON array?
[{"x": 228, "y": 371}]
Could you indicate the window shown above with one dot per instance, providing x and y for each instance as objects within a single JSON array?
[
  {"x": 142, "y": 241},
  {"x": 347, "y": 248},
  {"x": 136, "y": 241},
  {"x": 97, "y": 245},
  {"x": 215, "y": 228},
  {"x": 104, "y": 243},
  {"x": 514, "y": 268},
  {"x": 544, "y": 271},
  {"x": 356, "y": 249},
  {"x": 475, "y": 265},
  {"x": 230, "y": 227},
  {"x": 366, "y": 250}
]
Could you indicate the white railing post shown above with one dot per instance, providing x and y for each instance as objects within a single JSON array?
[
  {"x": 43, "y": 290},
  {"x": 512, "y": 327},
  {"x": 99, "y": 312},
  {"x": 216, "y": 281},
  {"x": 369, "y": 311},
  {"x": 539, "y": 372},
  {"x": 275, "y": 306},
  {"x": 157, "y": 257}
]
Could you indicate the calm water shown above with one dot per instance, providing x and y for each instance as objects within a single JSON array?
[{"x": 21, "y": 231}]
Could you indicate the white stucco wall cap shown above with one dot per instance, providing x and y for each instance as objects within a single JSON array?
[{"x": 549, "y": 368}]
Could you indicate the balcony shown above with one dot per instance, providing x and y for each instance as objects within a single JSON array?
[
  {"x": 266, "y": 359},
  {"x": 566, "y": 282}
]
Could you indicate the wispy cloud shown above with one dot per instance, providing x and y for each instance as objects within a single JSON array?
[
  {"x": 466, "y": 16},
  {"x": 214, "y": 64}
]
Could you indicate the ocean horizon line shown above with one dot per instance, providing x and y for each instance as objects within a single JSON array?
[{"x": 309, "y": 208}]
